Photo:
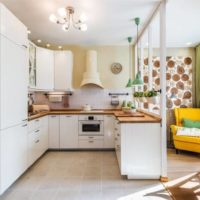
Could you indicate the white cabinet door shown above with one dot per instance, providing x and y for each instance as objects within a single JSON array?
[
  {"x": 44, "y": 137},
  {"x": 12, "y": 28},
  {"x": 109, "y": 126},
  {"x": 13, "y": 154},
  {"x": 45, "y": 69},
  {"x": 54, "y": 128},
  {"x": 63, "y": 63},
  {"x": 68, "y": 131},
  {"x": 13, "y": 83},
  {"x": 33, "y": 146}
]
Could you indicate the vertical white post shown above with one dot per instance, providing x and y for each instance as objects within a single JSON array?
[
  {"x": 130, "y": 62},
  {"x": 141, "y": 57},
  {"x": 136, "y": 61},
  {"x": 163, "y": 87},
  {"x": 141, "y": 64},
  {"x": 150, "y": 64},
  {"x": 150, "y": 56}
]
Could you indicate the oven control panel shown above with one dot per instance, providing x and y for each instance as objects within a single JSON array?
[{"x": 91, "y": 117}]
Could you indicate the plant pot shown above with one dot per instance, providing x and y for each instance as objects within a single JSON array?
[{"x": 153, "y": 100}]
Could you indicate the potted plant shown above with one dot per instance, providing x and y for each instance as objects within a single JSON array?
[{"x": 152, "y": 97}]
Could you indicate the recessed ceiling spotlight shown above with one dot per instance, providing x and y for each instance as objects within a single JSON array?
[
  {"x": 188, "y": 43},
  {"x": 39, "y": 41},
  {"x": 48, "y": 45},
  {"x": 60, "y": 47},
  {"x": 29, "y": 31}
]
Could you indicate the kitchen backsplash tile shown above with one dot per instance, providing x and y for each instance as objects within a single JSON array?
[{"x": 96, "y": 97}]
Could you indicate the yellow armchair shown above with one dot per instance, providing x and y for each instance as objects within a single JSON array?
[{"x": 187, "y": 143}]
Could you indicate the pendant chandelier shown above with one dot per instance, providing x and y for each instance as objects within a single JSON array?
[
  {"x": 65, "y": 18},
  {"x": 138, "y": 80}
]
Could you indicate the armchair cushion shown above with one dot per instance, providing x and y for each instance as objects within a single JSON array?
[
  {"x": 191, "y": 123},
  {"x": 195, "y": 132}
]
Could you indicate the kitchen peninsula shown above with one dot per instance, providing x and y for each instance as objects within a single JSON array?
[{"x": 137, "y": 150}]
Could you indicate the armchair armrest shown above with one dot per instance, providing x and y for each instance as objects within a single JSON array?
[{"x": 174, "y": 129}]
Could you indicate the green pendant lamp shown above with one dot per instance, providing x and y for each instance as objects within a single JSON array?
[
  {"x": 138, "y": 80},
  {"x": 129, "y": 84}
]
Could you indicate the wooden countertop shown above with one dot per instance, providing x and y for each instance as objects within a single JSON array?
[{"x": 139, "y": 117}]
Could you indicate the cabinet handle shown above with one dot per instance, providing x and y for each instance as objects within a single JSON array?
[
  {"x": 68, "y": 116},
  {"x": 91, "y": 137},
  {"x": 37, "y": 141},
  {"x": 118, "y": 134},
  {"x": 116, "y": 129},
  {"x": 91, "y": 141},
  {"x": 116, "y": 139},
  {"x": 53, "y": 116},
  {"x": 24, "y": 46},
  {"x": 24, "y": 120},
  {"x": 24, "y": 125},
  {"x": 37, "y": 131},
  {"x": 37, "y": 120}
]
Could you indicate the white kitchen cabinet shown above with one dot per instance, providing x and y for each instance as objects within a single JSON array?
[
  {"x": 13, "y": 154},
  {"x": 37, "y": 138},
  {"x": 63, "y": 63},
  {"x": 12, "y": 28},
  {"x": 14, "y": 70},
  {"x": 13, "y": 83},
  {"x": 109, "y": 131},
  {"x": 54, "y": 131},
  {"x": 68, "y": 131},
  {"x": 45, "y": 69},
  {"x": 44, "y": 144},
  {"x": 138, "y": 150}
]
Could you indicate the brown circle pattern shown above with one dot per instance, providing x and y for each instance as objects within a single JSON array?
[{"x": 179, "y": 79}]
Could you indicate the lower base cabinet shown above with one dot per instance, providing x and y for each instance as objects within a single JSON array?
[
  {"x": 138, "y": 149},
  {"x": 68, "y": 131},
  {"x": 91, "y": 142},
  {"x": 54, "y": 132},
  {"x": 13, "y": 155},
  {"x": 37, "y": 139}
]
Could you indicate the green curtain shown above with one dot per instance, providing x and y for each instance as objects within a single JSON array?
[{"x": 197, "y": 77}]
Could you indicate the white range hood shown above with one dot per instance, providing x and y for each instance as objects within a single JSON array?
[{"x": 91, "y": 76}]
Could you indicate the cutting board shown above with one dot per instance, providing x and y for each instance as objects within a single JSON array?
[{"x": 135, "y": 114}]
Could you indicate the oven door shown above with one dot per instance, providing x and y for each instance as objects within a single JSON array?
[{"x": 90, "y": 127}]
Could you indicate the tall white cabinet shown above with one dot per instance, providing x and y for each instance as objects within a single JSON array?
[
  {"x": 13, "y": 98},
  {"x": 45, "y": 69},
  {"x": 63, "y": 63}
]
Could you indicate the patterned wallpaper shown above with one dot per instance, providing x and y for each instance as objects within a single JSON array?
[{"x": 179, "y": 80}]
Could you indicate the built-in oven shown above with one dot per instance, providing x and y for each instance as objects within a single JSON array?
[{"x": 91, "y": 125}]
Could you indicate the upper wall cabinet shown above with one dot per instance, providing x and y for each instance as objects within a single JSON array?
[
  {"x": 32, "y": 65},
  {"x": 63, "y": 63},
  {"x": 12, "y": 28},
  {"x": 45, "y": 69}
]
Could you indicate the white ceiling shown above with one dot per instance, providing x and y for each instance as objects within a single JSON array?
[{"x": 109, "y": 21}]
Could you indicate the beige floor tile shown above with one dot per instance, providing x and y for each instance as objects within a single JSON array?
[
  {"x": 91, "y": 183},
  {"x": 90, "y": 195},
  {"x": 50, "y": 183},
  {"x": 17, "y": 195},
  {"x": 44, "y": 195},
  {"x": 72, "y": 183},
  {"x": 67, "y": 195},
  {"x": 110, "y": 170},
  {"x": 92, "y": 171}
]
